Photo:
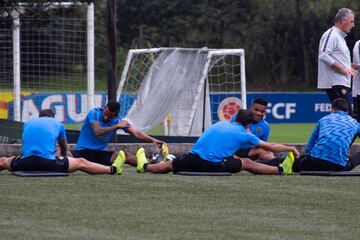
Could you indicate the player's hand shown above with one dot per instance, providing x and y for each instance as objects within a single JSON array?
[
  {"x": 158, "y": 143},
  {"x": 123, "y": 124},
  {"x": 295, "y": 152}
]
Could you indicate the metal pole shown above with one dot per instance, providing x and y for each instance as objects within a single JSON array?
[
  {"x": 90, "y": 57},
  {"x": 243, "y": 80},
  {"x": 16, "y": 66}
]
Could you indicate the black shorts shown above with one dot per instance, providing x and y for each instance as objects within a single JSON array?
[
  {"x": 96, "y": 156},
  {"x": 35, "y": 163},
  {"x": 193, "y": 163},
  {"x": 243, "y": 153},
  {"x": 308, "y": 163}
]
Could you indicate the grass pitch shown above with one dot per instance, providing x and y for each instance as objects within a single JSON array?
[{"x": 168, "y": 206}]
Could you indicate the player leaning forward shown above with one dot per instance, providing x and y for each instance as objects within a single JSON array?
[
  {"x": 99, "y": 128},
  {"x": 213, "y": 151},
  {"x": 40, "y": 136}
]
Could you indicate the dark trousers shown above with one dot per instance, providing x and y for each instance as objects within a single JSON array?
[
  {"x": 343, "y": 92},
  {"x": 356, "y": 103}
]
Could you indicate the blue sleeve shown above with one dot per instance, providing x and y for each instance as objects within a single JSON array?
[
  {"x": 93, "y": 116},
  {"x": 62, "y": 133},
  {"x": 315, "y": 134},
  {"x": 266, "y": 134},
  {"x": 253, "y": 140},
  {"x": 358, "y": 129}
]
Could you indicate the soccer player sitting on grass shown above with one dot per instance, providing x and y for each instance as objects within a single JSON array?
[
  {"x": 99, "y": 128},
  {"x": 39, "y": 139},
  {"x": 329, "y": 143},
  {"x": 214, "y": 152},
  {"x": 260, "y": 128}
]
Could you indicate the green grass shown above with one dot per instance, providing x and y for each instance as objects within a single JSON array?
[
  {"x": 291, "y": 132},
  {"x": 280, "y": 133},
  {"x": 147, "y": 206}
]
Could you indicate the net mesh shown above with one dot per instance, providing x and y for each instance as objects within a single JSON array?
[
  {"x": 53, "y": 59},
  {"x": 169, "y": 84}
]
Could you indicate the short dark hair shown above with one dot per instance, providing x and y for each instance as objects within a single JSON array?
[
  {"x": 244, "y": 117},
  {"x": 46, "y": 113},
  {"x": 340, "y": 104},
  {"x": 260, "y": 101},
  {"x": 113, "y": 106}
]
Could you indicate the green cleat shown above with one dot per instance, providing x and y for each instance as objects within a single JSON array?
[
  {"x": 119, "y": 162},
  {"x": 141, "y": 160},
  {"x": 287, "y": 164}
]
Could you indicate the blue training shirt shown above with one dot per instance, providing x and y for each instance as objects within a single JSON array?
[
  {"x": 332, "y": 136},
  {"x": 260, "y": 129},
  {"x": 222, "y": 139},
  {"x": 40, "y": 136},
  {"x": 88, "y": 139}
]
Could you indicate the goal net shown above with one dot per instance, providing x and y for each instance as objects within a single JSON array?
[
  {"x": 45, "y": 61},
  {"x": 186, "y": 90}
]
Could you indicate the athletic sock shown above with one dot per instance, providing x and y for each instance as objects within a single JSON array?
[
  {"x": 113, "y": 170},
  {"x": 280, "y": 170},
  {"x": 272, "y": 162},
  {"x": 145, "y": 166}
]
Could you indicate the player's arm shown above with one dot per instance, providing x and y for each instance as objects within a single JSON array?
[
  {"x": 99, "y": 131},
  {"x": 325, "y": 55},
  {"x": 276, "y": 148},
  {"x": 62, "y": 142},
  {"x": 63, "y": 147},
  {"x": 311, "y": 142},
  {"x": 343, "y": 70},
  {"x": 143, "y": 136}
]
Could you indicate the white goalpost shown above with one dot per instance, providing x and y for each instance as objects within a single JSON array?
[
  {"x": 186, "y": 90},
  {"x": 53, "y": 53}
]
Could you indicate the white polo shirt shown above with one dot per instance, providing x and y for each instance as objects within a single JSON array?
[
  {"x": 356, "y": 79},
  {"x": 333, "y": 48}
]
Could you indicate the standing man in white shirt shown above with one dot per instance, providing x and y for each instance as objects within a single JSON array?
[
  {"x": 356, "y": 81},
  {"x": 334, "y": 64}
]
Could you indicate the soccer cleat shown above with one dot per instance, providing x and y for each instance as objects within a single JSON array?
[
  {"x": 155, "y": 155},
  {"x": 141, "y": 160},
  {"x": 170, "y": 157},
  {"x": 287, "y": 164},
  {"x": 165, "y": 150},
  {"x": 119, "y": 162}
]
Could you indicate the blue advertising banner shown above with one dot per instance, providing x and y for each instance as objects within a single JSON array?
[
  {"x": 284, "y": 107},
  {"x": 69, "y": 108}
]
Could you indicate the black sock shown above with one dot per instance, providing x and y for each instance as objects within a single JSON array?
[
  {"x": 145, "y": 166},
  {"x": 113, "y": 170},
  {"x": 272, "y": 162},
  {"x": 280, "y": 170}
]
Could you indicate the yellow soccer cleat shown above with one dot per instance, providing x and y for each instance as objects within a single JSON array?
[
  {"x": 119, "y": 162},
  {"x": 165, "y": 150},
  {"x": 287, "y": 164},
  {"x": 141, "y": 160}
]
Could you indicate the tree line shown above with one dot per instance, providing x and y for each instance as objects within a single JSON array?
[{"x": 280, "y": 37}]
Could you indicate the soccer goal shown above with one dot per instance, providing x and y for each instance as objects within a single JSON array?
[
  {"x": 186, "y": 90},
  {"x": 47, "y": 59}
]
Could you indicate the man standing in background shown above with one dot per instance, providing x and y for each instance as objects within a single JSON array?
[
  {"x": 334, "y": 64},
  {"x": 356, "y": 81}
]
